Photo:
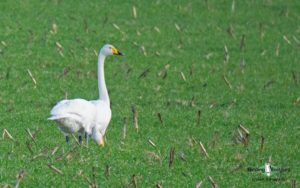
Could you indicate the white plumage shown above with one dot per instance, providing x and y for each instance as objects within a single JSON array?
[{"x": 82, "y": 116}]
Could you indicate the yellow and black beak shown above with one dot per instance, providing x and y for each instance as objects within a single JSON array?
[{"x": 116, "y": 52}]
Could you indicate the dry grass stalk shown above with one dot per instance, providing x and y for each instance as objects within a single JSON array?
[
  {"x": 182, "y": 156},
  {"x": 70, "y": 156},
  {"x": 65, "y": 72},
  {"x": 54, "y": 150},
  {"x": 192, "y": 141},
  {"x": 233, "y": 6},
  {"x": 160, "y": 118},
  {"x": 297, "y": 101},
  {"x": 7, "y": 71},
  {"x": 86, "y": 26},
  {"x": 242, "y": 135},
  {"x": 213, "y": 104},
  {"x": 215, "y": 139},
  {"x": 94, "y": 183},
  {"x": 30, "y": 135},
  {"x": 293, "y": 183},
  {"x": 226, "y": 55},
  {"x": 172, "y": 154},
  {"x": 177, "y": 27},
  {"x": 144, "y": 50},
  {"x": 268, "y": 84},
  {"x": 199, "y": 184},
  {"x": 263, "y": 52},
  {"x": 209, "y": 55},
  {"x": 262, "y": 142},
  {"x": 261, "y": 30},
  {"x": 95, "y": 53},
  {"x": 214, "y": 185},
  {"x": 156, "y": 29},
  {"x": 230, "y": 31},
  {"x": 54, "y": 169},
  {"x": 182, "y": 76},
  {"x": 40, "y": 155},
  {"x": 227, "y": 82},
  {"x": 203, "y": 150},
  {"x": 144, "y": 73},
  {"x": 80, "y": 173},
  {"x": 134, "y": 12},
  {"x": 286, "y": 39},
  {"x": 246, "y": 131},
  {"x": 164, "y": 72},
  {"x": 135, "y": 118},
  {"x": 181, "y": 102},
  {"x": 29, "y": 146},
  {"x": 66, "y": 95},
  {"x": 61, "y": 53},
  {"x": 4, "y": 43},
  {"x": 76, "y": 139},
  {"x": 61, "y": 157},
  {"x": 19, "y": 177},
  {"x": 116, "y": 27},
  {"x": 7, "y": 186},
  {"x": 138, "y": 33},
  {"x": 54, "y": 28},
  {"x": 153, "y": 155},
  {"x": 236, "y": 168},
  {"x": 158, "y": 185},
  {"x": 152, "y": 143},
  {"x": 294, "y": 77},
  {"x": 32, "y": 78},
  {"x": 134, "y": 181},
  {"x": 243, "y": 65},
  {"x": 270, "y": 159},
  {"x": 199, "y": 116},
  {"x": 193, "y": 101},
  {"x": 135, "y": 44},
  {"x": 277, "y": 49},
  {"x": 7, "y": 134},
  {"x": 242, "y": 44},
  {"x": 107, "y": 171},
  {"x": 296, "y": 39},
  {"x": 59, "y": 46},
  {"x": 125, "y": 125}
]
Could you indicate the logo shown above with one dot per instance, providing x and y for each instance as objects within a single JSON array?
[{"x": 270, "y": 172}]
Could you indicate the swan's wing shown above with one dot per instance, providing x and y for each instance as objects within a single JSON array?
[
  {"x": 77, "y": 109},
  {"x": 103, "y": 115}
]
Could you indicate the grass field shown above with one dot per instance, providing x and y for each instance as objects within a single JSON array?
[{"x": 236, "y": 62}]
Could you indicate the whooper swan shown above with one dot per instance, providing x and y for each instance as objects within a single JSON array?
[{"x": 89, "y": 117}]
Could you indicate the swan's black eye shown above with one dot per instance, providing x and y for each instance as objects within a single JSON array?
[{"x": 109, "y": 47}]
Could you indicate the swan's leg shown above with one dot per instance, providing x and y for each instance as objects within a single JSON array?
[
  {"x": 86, "y": 136},
  {"x": 67, "y": 139},
  {"x": 80, "y": 133},
  {"x": 80, "y": 138}
]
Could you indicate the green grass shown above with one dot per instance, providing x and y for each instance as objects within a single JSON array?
[{"x": 263, "y": 96}]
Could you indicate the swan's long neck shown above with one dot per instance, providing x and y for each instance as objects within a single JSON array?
[{"x": 103, "y": 94}]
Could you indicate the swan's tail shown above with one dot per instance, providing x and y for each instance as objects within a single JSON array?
[{"x": 56, "y": 117}]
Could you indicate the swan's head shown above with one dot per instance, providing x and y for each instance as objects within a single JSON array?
[
  {"x": 98, "y": 137},
  {"x": 109, "y": 49}
]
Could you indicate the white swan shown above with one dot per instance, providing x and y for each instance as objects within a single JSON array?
[{"x": 82, "y": 116}]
